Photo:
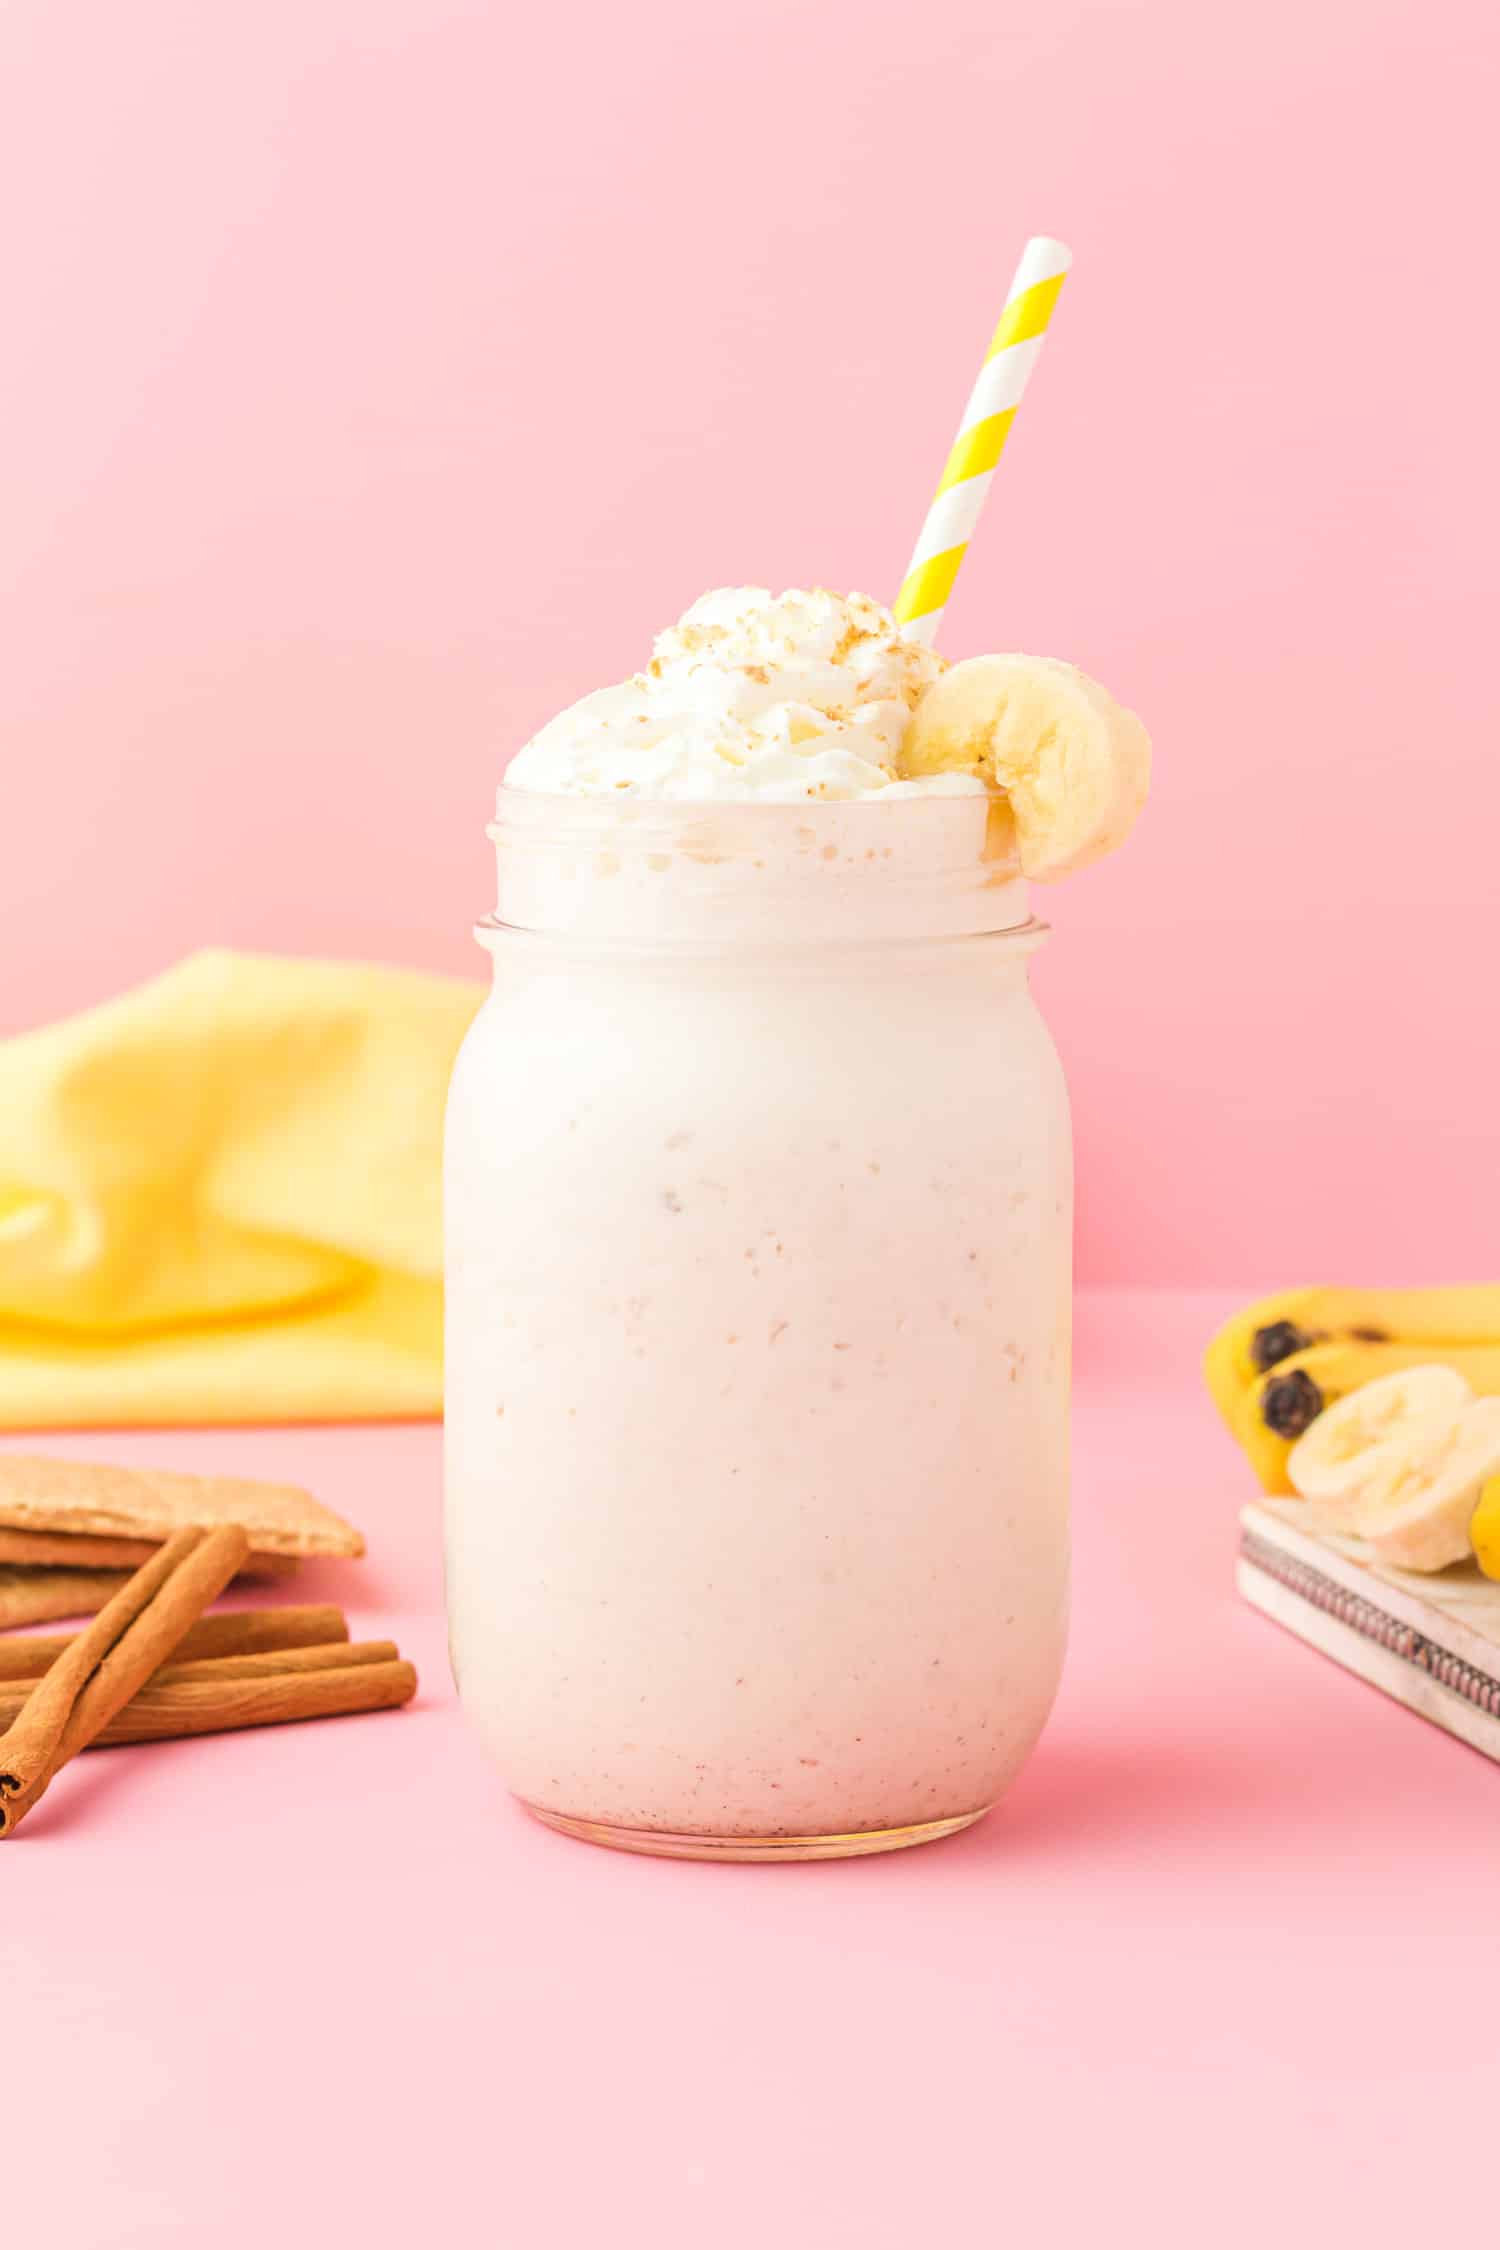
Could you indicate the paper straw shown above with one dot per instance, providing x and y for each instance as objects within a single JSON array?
[{"x": 1014, "y": 351}]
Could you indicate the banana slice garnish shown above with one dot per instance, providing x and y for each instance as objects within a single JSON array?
[{"x": 1075, "y": 764}]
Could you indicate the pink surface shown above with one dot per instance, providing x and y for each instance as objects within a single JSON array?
[
  {"x": 379, "y": 373},
  {"x": 1222, "y": 1970}
]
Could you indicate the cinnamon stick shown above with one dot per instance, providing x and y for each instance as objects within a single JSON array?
[
  {"x": 257, "y": 1664},
  {"x": 238, "y": 1632},
  {"x": 182, "y": 1580},
  {"x": 252, "y": 1664},
  {"x": 272, "y": 1663},
  {"x": 32, "y": 1740},
  {"x": 166, "y": 1708}
]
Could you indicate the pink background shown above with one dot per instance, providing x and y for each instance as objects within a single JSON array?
[
  {"x": 1220, "y": 1974},
  {"x": 347, "y": 427},
  {"x": 378, "y": 373}
]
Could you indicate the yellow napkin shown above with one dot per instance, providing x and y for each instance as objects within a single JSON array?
[{"x": 219, "y": 1198}]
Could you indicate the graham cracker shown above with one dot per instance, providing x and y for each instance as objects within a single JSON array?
[
  {"x": 40, "y": 1597},
  {"x": 71, "y": 1550},
  {"x": 65, "y": 1551},
  {"x": 88, "y": 1499}
]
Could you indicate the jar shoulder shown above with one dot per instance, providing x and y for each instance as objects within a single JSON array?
[{"x": 924, "y": 1064}]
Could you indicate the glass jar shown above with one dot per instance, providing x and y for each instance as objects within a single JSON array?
[{"x": 758, "y": 1272}]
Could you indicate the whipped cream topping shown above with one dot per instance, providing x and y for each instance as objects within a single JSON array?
[{"x": 775, "y": 697}]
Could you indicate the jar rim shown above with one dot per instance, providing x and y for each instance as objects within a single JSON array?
[{"x": 818, "y": 869}]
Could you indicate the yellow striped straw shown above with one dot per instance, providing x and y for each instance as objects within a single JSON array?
[{"x": 1014, "y": 351}]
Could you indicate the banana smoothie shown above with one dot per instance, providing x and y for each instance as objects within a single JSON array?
[{"x": 758, "y": 1264}]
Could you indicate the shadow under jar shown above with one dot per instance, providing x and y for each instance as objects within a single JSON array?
[{"x": 758, "y": 1269}]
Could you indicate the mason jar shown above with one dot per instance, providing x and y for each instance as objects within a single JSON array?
[{"x": 758, "y": 1275}]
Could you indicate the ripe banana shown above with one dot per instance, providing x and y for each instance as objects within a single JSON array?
[
  {"x": 1421, "y": 1496},
  {"x": 1074, "y": 764},
  {"x": 1279, "y": 1406},
  {"x": 1275, "y": 1330},
  {"x": 1355, "y": 1445}
]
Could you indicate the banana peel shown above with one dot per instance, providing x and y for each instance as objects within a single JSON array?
[{"x": 1484, "y": 1529}]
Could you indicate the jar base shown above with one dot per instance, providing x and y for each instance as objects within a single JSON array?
[{"x": 666, "y": 1843}]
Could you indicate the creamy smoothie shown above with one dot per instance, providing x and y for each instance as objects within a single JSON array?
[{"x": 759, "y": 1246}]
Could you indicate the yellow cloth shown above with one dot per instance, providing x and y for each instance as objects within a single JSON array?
[{"x": 220, "y": 1201}]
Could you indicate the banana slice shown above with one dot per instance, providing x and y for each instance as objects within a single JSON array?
[
  {"x": 1416, "y": 1511},
  {"x": 1074, "y": 763},
  {"x": 1333, "y": 1461}
]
